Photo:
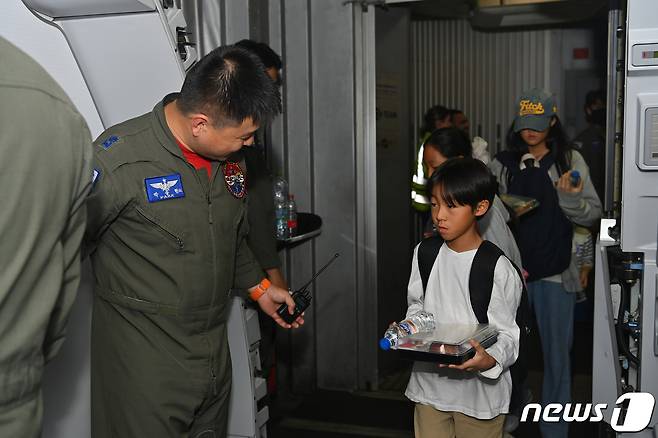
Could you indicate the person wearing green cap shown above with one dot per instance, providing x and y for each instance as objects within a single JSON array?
[{"x": 541, "y": 164}]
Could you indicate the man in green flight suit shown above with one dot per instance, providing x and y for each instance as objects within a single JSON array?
[
  {"x": 45, "y": 175},
  {"x": 167, "y": 228}
]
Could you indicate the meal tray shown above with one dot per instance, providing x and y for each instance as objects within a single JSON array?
[
  {"x": 448, "y": 343},
  {"x": 520, "y": 204}
]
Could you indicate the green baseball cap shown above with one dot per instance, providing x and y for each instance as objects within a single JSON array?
[{"x": 536, "y": 107}]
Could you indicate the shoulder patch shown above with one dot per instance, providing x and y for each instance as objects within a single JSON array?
[
  {"x": 160, "y": 188},
  {"x": 235, "y": 179},
  {"x": 109, "y": 141}
]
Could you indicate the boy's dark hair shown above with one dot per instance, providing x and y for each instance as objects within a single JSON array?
[
  {"x": 556, "y": 142},
  {"x": 229, "y": 84},
  {"x": 464, "y": 181},
  {"x": 432, "y": 116},
  {"x": 450, "y": 142},
  {"x": 268, "y": 57}
]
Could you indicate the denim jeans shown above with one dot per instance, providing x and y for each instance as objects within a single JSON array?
[{"x": 554, "y": 311}]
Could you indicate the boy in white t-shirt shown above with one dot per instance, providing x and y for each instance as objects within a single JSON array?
[{"x": 468, "y": 400}]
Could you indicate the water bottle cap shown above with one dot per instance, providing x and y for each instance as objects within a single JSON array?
[
  {"x": 384, "y": 344},
  {"x": 575, "y": 177}
]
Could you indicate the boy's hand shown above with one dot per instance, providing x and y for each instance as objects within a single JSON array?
[{"x": 482, "y": 360}]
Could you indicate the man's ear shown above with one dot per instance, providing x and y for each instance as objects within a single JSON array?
[
  {"x": 199, "y": 123},
  {"x": 482, "y": 208}
]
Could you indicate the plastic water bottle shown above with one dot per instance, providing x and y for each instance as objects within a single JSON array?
[
  {"x": 418, "y": 322},
  {"x": 291, "y": 207},
  {"x": 280, "y": 189},
  {"x": 575, "y": 178},
  {"x": 281, "y": 219},
  {"x": 280, "y": 193}
]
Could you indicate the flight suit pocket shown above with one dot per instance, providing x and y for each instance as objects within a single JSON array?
[{"x": 173, "y": 236}]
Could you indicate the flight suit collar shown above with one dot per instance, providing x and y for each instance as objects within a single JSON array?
[
  {"x": 161, "y": 129},
  {"x": 166, "y": 137}
]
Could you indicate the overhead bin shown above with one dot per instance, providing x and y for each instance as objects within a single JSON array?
[{"x": 78, "y": 8}]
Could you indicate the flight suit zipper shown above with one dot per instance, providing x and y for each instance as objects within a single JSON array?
[
  {"x": 209, "y": 199},
  {"x": 212, "y": 241},
  {"x": 214, "y": 379},
  {"x": 161, "y": 228},
  {"x": 214, "y": 275}
]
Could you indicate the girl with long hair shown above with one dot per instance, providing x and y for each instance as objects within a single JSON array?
[{"x": 541, "y": 164}]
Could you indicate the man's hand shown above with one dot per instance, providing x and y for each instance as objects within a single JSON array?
[
  {"x": 276, "y": 277},
  {"x": 482, "y": 361},
  {"x": 564, "y": 184},
  {"x": 270, "y": 301}
]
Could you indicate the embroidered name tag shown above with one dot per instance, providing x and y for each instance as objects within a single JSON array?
[
  {"x": 161, "y": 188},
  {"x": 235, "y": 179},
  {"x": 110, "y": 141}
]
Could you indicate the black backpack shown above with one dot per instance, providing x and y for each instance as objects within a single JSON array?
[
  {"x": 543, "y": 234},
  {"x": 480, "y": 284}
]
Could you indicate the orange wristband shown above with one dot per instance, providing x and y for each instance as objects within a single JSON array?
[{"x": 259, "y": 290}]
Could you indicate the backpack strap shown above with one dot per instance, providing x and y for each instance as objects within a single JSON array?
[
  {"x": 480, "y": 280},
  {"x": 428, "y": 251},
  {"x": 510, "y": 162}
]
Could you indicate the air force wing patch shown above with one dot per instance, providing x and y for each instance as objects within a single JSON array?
[{"x": 161, "y": 188}]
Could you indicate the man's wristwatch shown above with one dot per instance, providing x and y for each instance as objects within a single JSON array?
[{"x": 259, "y": 290}]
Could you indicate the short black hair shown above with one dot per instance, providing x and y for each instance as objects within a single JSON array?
[
  {"x": 464, "y": 181},
  {"x": 592, "y": 96},
  {"x": 268, "y": 57},
  {"x": 230, "y": 85},
  {"x": 453, "y": 112},
  {"x": 433, "y": 115},
  {"x": 450, "y": 142}
]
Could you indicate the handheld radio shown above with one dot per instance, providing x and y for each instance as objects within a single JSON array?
[{"x": 302, "y": 297}]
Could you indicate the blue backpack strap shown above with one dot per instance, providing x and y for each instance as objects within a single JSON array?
[
  {"x": 428, "y": 251},
  {"x": 480, "y": 279}
]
